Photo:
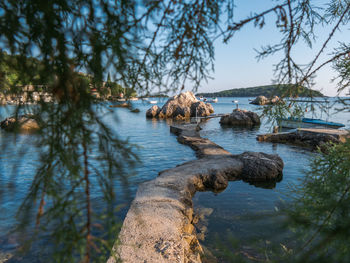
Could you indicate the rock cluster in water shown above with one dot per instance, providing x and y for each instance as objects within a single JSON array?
[
  {"x": 240, "y": 118},
  {"x": 180, "y": 107},
  {"x": 23, "y": 123},
  {"x": 262, "y": 100}
]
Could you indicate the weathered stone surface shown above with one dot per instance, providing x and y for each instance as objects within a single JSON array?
[
  {"x": 259, "y": 166},
  {"x": 159, "y": 225},
  {"x": 240, "y": 118},
  {"x": 262, "y": 100},
  {"x": 191, "y": 130},
  {"x": 201, "y": 109},
  {"x": 23, "y": 123},
  {"x": 202, "y": 146},
  {"x": 181, "y": 107},
  {"x": 311, "y": 138},
  {"x": 153, "y": 112}
]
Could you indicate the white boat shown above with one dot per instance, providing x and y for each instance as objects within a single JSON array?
[
  {"x": 152, "y": 102},
  {"x": 293, "y": 123},
  {"x": 214, "y": 100},
  {"x": 235, "y": 101}
]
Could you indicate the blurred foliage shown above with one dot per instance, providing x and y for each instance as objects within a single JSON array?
[
  {"x": 320, "y": 212},
  {"x": 12, "y": 74}
]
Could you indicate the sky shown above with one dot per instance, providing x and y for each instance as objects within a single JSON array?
[{"x": 236, "y": 65}]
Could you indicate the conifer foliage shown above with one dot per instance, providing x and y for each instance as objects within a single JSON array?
[{"x": 145, "y": 45}]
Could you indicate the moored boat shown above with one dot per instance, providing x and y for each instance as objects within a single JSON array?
[{"x": 293, "y": 123}]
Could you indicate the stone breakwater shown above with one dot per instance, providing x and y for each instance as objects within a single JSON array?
[{"x": 159, "y": 224}]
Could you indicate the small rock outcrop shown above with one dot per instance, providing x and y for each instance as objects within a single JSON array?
[
  {"x": 240, "y": 118},
  {"x": 261, "y": 167},
  {"x": 23, "y": 123},
  {"x": 310, "y": 138},
  {"x": 262, "y": 100},
  {"x": 180, "y": 107}
]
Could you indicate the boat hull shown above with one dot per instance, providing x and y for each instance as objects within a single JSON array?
[{"x": 294, "y": 124}]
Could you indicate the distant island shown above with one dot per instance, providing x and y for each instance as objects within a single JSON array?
[{"x": 285, "y": 90}]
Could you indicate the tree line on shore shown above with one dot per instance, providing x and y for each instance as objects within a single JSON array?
[
  {"x": 282, "y": 90},
  {"x": 16, "y": 81}
]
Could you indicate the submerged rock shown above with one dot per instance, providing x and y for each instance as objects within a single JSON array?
[
  {"x": 180, "y": 107},
  {"x": 23, "y": 123},
  {"x": 240, "y": 118},
  {"x": 262, "y": 100}
]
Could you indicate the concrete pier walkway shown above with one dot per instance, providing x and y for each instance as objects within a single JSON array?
[{"x": 158, "y": 227}]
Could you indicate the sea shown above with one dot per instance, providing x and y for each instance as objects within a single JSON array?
[{"x": 228, "y": 221}]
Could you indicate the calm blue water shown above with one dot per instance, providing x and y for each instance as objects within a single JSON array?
[{"x": 159, "y": 150}]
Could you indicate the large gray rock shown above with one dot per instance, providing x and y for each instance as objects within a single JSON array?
[
  {"x": 262, "y": 100},
  {"x": 182, "y": 106},
  {"x": 240, "y": 118},
  {"x": 258, "y": 166},
  {"x": 23, "y": 123}
]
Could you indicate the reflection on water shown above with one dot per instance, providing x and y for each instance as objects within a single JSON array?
[{"x": 238, "y": 210}]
